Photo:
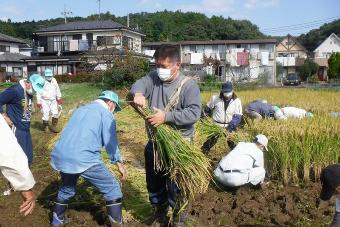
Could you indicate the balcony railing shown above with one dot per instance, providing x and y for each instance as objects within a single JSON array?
[{"x": 69, "y": 45}]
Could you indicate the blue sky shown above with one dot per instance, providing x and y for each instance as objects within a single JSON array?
[{"x": 274, "y": 17}]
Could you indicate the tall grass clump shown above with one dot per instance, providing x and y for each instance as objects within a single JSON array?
[{"x": 183, "y": 162}]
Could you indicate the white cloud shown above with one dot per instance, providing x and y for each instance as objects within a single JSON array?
[
  {"x": 9, "y": 10},
  {"x": 211, "y": 6},
  {"x": 153, "y": 3},
  {"x": 260, "y": 3}
]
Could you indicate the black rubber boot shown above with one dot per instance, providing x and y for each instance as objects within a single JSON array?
[
  {"x": 160, "y": 215},
  {"x": 45, "y": 124},
  {"x": 114, "y": 211},
  {"x": 54, "y": 125},
  {"x": 59, "y": 210}
]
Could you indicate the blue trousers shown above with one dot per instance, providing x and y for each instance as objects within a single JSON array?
[
  {"x": 25, "y": 140},
  {"x": 97, "y": 175},
  {"x": 160, "y": 188}
]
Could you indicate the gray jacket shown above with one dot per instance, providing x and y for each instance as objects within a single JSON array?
[{"x": 188, "y": 110}]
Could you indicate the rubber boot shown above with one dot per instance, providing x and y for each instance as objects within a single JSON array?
[
  {"x": 59, "y": 214},
  {"x": 179, "y": 215},
  {"x": 45, "y": 124},
  {"x": 114, "y": 211},
  {"x": 54, "y": 125},
  {"x": 160, "y": 215}
]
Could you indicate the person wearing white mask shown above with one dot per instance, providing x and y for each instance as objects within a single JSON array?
[
  {"x": 226, "y": 111},
  {"x": 18, "y": 100},
  {"x": 49, "y": 100},
  {"x": 176, "y": 101},
  {"x": 244, "y": 164}
]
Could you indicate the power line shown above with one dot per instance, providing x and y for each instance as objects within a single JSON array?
[
  {"x": 310, "y": 22},
  {"x": 300, "y": 26}
]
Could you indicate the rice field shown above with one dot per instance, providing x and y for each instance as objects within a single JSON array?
[{"x": 298, "y": 149}]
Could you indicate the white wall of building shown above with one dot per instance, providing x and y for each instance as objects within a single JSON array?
[
  {"x": 329, "y": 46},
  {"x": 14, "y": 47}
]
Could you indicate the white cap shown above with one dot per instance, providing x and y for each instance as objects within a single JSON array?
[{"x": 262, "y": 139}]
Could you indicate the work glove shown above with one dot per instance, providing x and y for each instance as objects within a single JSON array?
[
  {"x": 235, "y": 121},
  {"x": 39, "y": 105}
]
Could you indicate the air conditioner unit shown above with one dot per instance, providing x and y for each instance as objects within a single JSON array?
[{"x": 40, "y": 49}]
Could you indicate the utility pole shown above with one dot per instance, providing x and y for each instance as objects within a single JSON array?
[
  {"x": 65, "y": 13},
  {"x": 98, "y": 8},
  {"x": 128, "y": 20}
]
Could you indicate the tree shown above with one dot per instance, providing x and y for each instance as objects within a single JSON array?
[
  {"x": 125, "y": 70},
  {"x": 309, "y": 68},
  {"x": 334, "y": 66}
]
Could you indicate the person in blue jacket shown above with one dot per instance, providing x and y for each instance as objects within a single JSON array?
[
  {"x": 18, "y": 100},
  {"x": 78, "y": 154}
]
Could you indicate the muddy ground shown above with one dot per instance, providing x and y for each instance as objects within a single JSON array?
[{"x": 273, "y": 206}]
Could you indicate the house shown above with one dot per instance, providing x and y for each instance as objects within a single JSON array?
[
  {"x": 12, "y": 53},
  {"x": 323, "y": 52},
  {"x": 62, "y": 47},
  {"x": 290, "y": 54},
  {"x": 236, "y": 60}
]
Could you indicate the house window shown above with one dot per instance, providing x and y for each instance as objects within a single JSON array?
[
  {"x": 4, "y": 48},
  {"x": 238, "y": 46},
  {"x": 108, "y": 40},
  {"x": 77, "y": 36},
  {"x": 215, "y": 48},
  {"x": 262, "y": 46},
  {"x": 193, "y": 48},
  {"x": 128, "y": 42},
  {"x": 17, "y": 71}
]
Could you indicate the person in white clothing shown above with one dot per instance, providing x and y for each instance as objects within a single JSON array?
[
  {"x": 49, "y": 100},
  {"x": 225, "y": 110},
  {"x": 294, "y": 112},
  {"x": 14, "y": 167},
  {"x": 244, "y": 164}
]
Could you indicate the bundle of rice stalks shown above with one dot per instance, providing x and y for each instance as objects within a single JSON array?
[
  {"x": 184, "y": 163},
  {"x": 209, "y": 129}
]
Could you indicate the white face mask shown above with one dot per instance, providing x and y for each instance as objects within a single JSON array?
[
  {"x": 228, "y": 95},
  {"x": 164, "y": 74},
  {"x": 29, "y": 91},
  {"x": 49, "y": 78}
]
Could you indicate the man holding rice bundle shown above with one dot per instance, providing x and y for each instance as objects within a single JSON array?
[
  {"x": 244, "y": 164},
  {"x": 226, "y": 111},
  {"x": 176, "y": 101}
]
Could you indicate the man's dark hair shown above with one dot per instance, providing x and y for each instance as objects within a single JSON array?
[{"x": 170, "y": 51}]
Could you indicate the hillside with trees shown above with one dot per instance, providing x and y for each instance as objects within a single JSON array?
[
  {"x": 159, "y": 26},
  {"x": 315, "y": 37}
]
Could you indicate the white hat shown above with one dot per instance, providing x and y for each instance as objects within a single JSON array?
[{"x": 262, "y": 139}]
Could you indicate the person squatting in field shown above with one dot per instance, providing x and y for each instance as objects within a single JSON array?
[
  {"x": 78, "y": 154},
  {"x": 176, "y": 101},
  {"x": 244, "y": 164}
]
